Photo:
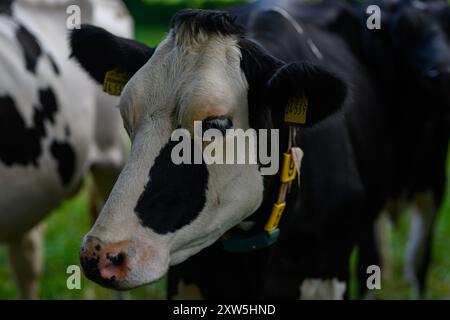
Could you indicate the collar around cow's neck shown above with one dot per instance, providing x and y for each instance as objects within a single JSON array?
[{"x": 290, "y": 169}]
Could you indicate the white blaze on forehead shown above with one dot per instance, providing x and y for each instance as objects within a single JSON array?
[
  {"x": 215, "y": 85},
  {"x": 189, "y": 83}
]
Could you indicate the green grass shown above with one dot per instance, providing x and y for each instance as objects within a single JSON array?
[
  {"x": 151, "y": 35},
  {"x": 64, "y": 230}
]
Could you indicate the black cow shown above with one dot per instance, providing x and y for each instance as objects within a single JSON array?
[
  {"x": 409, "y": 57},
  {"x": 142, "y": 230}
]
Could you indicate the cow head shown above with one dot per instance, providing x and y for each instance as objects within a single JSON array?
[{"x": 160, "y": 213}]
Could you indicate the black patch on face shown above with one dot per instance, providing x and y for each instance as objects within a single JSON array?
[
  {"x": 5, "y": 7},
  {"x": 174, "y": 195},
  {"x": 209, "y": 21},
  {"x": 30, "y": 46},
  {"x": 65, "y": 156},
  {"x": 18, "y": 144}
]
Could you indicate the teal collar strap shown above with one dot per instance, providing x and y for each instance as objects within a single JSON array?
[{"x": 257, "y": 242}]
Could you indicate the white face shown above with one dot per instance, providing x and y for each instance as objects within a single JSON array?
[{"x": 160, "y": 214}]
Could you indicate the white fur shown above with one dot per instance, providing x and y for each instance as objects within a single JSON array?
[
  {"x": 423, "y": 211},
  {"x": 423, "y": 214},
  {"x": 320, "y": 289}
]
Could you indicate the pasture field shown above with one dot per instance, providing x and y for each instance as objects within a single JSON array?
[{"x": 67, "y": 225}]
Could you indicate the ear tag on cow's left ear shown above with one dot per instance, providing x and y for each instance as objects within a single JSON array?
[
  {"x": 115, "y": 81},
  {"x": 296, "y": 110}
]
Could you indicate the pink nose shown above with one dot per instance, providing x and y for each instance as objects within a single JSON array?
[{"x": 104, "y": 263}]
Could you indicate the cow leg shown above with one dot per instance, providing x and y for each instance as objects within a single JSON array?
[
  {"x": 323, "y": 289},
  {"x": 383, "y": 231},
  {"x": 418, "y": 251},
  {"x": 26, "y": 254},
  {"x": 187, "y": 291},
  {"x": 367, "y": 255}
]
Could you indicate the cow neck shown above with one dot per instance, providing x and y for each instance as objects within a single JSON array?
[
  {"x": 300, "y": 31},
  {"x": 264, "y": 230}
]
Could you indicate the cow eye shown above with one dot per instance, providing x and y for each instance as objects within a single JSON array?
[{"x": 221, "y": 123}]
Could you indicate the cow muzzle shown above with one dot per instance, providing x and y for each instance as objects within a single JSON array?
[
  {"x": 122, "y": 265},
  {"x": 105, "y": 263}
]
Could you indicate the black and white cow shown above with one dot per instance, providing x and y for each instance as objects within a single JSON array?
[
  {"x": 410, "y": 59},
  {"x": 160, "y": 214},
  {"x": 54, "y": 124}
]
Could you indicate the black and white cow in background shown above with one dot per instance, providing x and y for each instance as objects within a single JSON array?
[
  {"x": 55, "y": 124},
  {"x": 410, "y": 59},
  {"x": 160, "y": 214}
]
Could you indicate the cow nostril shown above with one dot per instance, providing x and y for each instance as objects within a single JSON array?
[{"x": 117, "y": 260}]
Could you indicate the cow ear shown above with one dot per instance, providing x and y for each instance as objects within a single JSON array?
[
  {"x": 305, "y": 94},
  {"x": 99, "y": 51}
]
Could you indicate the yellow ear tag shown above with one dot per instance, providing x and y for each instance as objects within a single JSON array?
[
  {"x": 296, "y": 110},
  {"x": 288, "y": 169},
  {"x": 275, "y": 216},
  {"x": 115, "y": 81}
]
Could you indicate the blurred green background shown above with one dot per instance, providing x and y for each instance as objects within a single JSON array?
[{"x": 66, "y": 226}]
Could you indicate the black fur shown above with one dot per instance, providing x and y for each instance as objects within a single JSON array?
[
  {"x": 258, "y": 66},
  {"x": 30, "y": 46},
  {"x": 209, "y": 21},
  {"x": 19, "y": 144},
  {"x": 174, "y": 195},
  {"x": 53, "y": 63},
  {"x": 325, "y": 91},
  {"x": 410, "y": 59},
  {"x": 5, "y": 7},
  {"x": 98, "y": 51},
  {"x": 46, "y": 111},
  {"x": 65, "y": 156}
]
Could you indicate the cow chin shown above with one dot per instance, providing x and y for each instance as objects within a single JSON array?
[
  {"x": 185, "y": 253},
  {"x": 136, "y": 278}
]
